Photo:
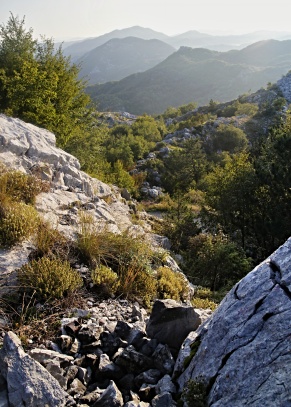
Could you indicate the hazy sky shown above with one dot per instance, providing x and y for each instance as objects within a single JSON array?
[{"x": 62, "y": 19}]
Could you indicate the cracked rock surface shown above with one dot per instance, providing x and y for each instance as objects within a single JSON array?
[{"x": 245, "y": 349}]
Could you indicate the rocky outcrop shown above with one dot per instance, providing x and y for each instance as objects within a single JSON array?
[
  {"x": 28, "y": 383},
  {"x": 284, "y": 85},
  {"x": 33, "y": 150},
  {"x": 244, "y": 350}
]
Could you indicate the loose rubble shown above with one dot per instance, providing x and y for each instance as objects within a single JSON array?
[{"x": 103, "y": 356}]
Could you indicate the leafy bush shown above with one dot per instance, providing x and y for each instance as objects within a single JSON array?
[
  {"x": 214, "y": 261},
  {"x": 17, "y": 221},
  {"x": 203, "y": 303},
  {"x": 21, "y": 187},
  {"x": 205, "y": 298},
  {"x": 249, "y": 109},
  {"x": 171, "y": 284},
  {"x": 49, "y": 278},
  {"x": 195, "y": 393},
  {"x": 105, "y": 278}
]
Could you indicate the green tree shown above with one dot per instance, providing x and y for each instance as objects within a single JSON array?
[
  {"x": 229, "y": 138},
  {"x": 184, "y": 168},
  {"x": 214, "y": 261},
  {"x": 39, "y": 84},
  {"x": 230, "y": 191},
  {"x": 180, "y": 222},
  {"x": 121, "y": 177},
  {"x": 147, "y": 127},
  {"x": 273, "y": 222}
]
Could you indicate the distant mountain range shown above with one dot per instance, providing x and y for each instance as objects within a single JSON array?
[
  {"x": 120, "y": 57},
  {"x": 104, "y": 58},
  {"x": 78, "y": 49},
  {"x": 196, "y": 75},
  {"x": 193, "y": 39}
]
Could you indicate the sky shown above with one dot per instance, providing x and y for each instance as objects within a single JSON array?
[{"x": 73, "y": 19}]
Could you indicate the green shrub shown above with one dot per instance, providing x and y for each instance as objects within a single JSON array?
[
  {"x": 145, "y": 287},
  {"x": 204, "y": 298},
  {"x": 105, "y": 278},
  {"x": 195, "y": 393},
  {"x": 203, "y": 303},
  {"x": 171, "y": 284},
  {"x": 49, "y": 278},
  {"x": 17, "y": 221},
  {"x": 22, "y": 187},
  {"x": 203, "y": 293}
]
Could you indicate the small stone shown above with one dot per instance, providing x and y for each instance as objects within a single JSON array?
[
  {"x": 76, "y": 388},
  {"x": 71, "y": 373},
  {"x": 72, "y": 327},
  {"x": 163, "y": 400},
  {"x": 165, "y": 385},
  {"x": 65, "y": 342},
  {"x": 75, "y": 347},
  {"x": 111, "y": 397}
]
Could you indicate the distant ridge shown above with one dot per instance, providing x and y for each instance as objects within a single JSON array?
[
  {"x": 120, "y": 57},
  {"x": 196, "y": 75},
  {"x": 193, "y": 39},
  {"x": 79, "y": 48}
]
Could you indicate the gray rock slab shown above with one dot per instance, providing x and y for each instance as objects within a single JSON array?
[
  {"x": 28, "y": 383},
  {"x": 245, "y": 349}
]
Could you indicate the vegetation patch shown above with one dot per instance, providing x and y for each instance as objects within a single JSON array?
[
  {"x": 17, "y": 222},
  {"x": 50, "y": 242},
  {"x": 20, "y": 186},
  {"x": 105, "y": 279},
  {"x": 171, "y": 284},
  {"x": 193, "y": 350},
  {"x": 48, "y": 278},
  {"x": 195, "y": 393}
]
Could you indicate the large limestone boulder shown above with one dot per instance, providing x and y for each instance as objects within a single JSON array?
[
  {"x": 244, "y": 350},
  {"x": 170, "y": 322},
  {"x": 28, "y": 383},
  {"x": 32, "y": 149}
]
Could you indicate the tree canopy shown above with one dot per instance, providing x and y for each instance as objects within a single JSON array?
[{"x": 39, "y": 84}]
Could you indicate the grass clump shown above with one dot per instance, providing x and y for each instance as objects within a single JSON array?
[
  {"x": 128, "y": 257},
  {"x": 17, "y": 221},
  {"x": 50, "y": 242},
  {"x": 132, "y": 259},
  {"x": 171, "y": 284},
  {"x": 48, "y": 278}
]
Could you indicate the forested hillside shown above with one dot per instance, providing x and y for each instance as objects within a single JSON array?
[{"x": 196, "y": 74}]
